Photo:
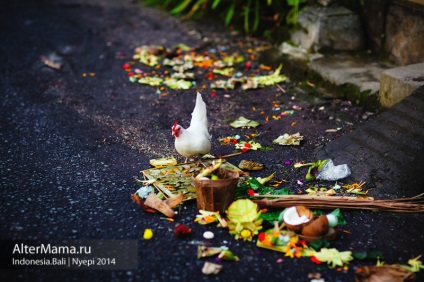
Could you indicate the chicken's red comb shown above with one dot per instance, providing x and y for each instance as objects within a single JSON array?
[{"x": 175, "y": 125}]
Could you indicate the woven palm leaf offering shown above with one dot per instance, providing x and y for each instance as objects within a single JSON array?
[
  {"x": 243, "y": 219},
  {"x": 169, "y": 179}
]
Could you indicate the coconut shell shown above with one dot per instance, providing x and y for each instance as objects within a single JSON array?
[
  {"x": 304, "y": 211},
  {"x": 301, "y": 211},
  {"x": 330, "y": 236},
  {"x": 317, "y": 227}
]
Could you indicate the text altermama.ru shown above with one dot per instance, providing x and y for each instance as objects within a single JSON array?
[{"x": 50, "y": 249}]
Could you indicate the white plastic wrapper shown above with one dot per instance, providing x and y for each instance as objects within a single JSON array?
[{"x": 331, "y": 172}]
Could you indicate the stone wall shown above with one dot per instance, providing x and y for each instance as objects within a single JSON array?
[{"x": 395, "y": 29}]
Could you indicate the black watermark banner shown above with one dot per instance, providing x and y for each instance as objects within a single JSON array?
[{"x": 69, "y": 254}]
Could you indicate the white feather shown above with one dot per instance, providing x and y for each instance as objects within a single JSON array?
[{"x": 195, "y": 140}]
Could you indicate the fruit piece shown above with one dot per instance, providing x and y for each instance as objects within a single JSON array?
[
  {"x": 296, "y": 217},
  {"x": 317, "y": 227}
]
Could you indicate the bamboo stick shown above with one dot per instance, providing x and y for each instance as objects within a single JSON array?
[{"x": 414, "y": 204}]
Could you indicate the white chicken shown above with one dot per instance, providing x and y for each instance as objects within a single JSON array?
[{"x": 195, "y": 140}]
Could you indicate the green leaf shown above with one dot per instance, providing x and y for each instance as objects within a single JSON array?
[
  {"x": 256, "y": 22},
  {"x": 266, "y": 179},
  {"x": 270, "y": 216},
  {"x": 360, "y": 255},
  {"x": 215, "y": 3},
  {"x": 319, "y": 243},
  {"x": 246, "y": 16},
  {"x": 230, "y": 13},
  {"x": 293, "y": 2},
  {"x": 178, "y": 9},
  {"x": 367, "y": 255},
  {"x": 195, "y": 7},
  {"x": 282, "y": 191},
  {"x": 255, "y": 184},
  {"x": 375, "y": 255}
]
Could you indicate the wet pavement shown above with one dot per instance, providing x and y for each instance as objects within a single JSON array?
[{"x": 73, "y": 141}]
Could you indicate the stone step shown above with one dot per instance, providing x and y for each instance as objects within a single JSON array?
[
  {"x": 397, "y": 83},
  {"x": 386, "y": 150}
]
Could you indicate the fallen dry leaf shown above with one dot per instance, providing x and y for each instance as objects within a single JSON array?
[
  {"x": 384, "y": 273},
  {"x": 137, "y": 199},
  {"x": 154, "y": 202}
]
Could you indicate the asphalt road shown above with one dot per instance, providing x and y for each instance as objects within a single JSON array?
[{"x": 74, "y": 139}]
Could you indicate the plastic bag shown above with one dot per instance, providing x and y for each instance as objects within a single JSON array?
[{"x": 331, "y": 172}]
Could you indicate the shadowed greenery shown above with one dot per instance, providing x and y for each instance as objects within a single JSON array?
[{"x": 256, "y": 17}]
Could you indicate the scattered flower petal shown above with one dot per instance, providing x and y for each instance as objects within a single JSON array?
[{"x": 148, "y": 234}]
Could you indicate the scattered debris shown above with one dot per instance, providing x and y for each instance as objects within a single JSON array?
[
  {"x": 250, "y": 165},
  {"x": 244, "y": 122},
  {"x": 52, "y": 61},
  {"x": 325, "y": 170},
  {"x": 223, "y": 253},
  {"x": 207, "y": 217},
  {"x": 331, "y": 172},
  {"x": 154, "y": 202},
  {"x": 229, "y": 140},
  {"x": 208, "y": 235},
  {"x": 264, "y": 180},
  {"x": 414, "y": 265},
  {"x": 333, "y": 257},
  {"x": 288, "y": 139},
  {"x": 161, "y": 162},
  {"x": 207, "y": 172},
  {"x": 246, "y": 146},
  {"x": 315, "y": 277},
  {"x": 211, "y": 268},
  {"x": 143, "y": 192},
  {"x": 183, "y": 59},
  {"x": 148, "y": 234},
  {"x": 182, "y": 231}
]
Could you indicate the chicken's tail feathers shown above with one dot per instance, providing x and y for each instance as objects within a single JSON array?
[{"x": 199, "y": 115}]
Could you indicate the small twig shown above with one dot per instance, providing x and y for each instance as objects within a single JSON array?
[
  {"x": 414, "y": 204},
  {"x": 231, "y": 155},
  {"x": 281, "y": 88}
]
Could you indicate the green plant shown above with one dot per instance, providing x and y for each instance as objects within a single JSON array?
[{"x": 255, "y": 15}]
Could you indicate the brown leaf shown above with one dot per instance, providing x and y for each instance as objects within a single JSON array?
[
  {"x": 137, "y": 199},
  {"x": 175, "y": 201},
  {"x": 154, "y": 202}
]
